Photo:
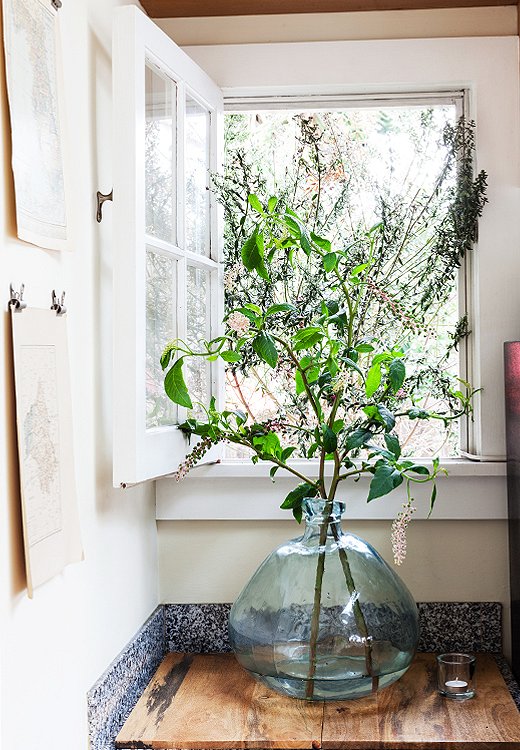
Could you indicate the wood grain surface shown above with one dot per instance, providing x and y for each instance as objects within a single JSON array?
[
  {"x": 411, "y": 714},
  {"x": 195, "y": 8},
  {"x": 208, "y": 702}
]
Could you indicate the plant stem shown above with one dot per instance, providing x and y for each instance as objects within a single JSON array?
[
  {"x": 316, "y": 607},
  {"x": 358, "y": 614}
]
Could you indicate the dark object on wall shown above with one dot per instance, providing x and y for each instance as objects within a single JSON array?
[{"x": 512, "y": 397}]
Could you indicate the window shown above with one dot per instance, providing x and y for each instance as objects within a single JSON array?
[
  {"x": 167, "y": 248},
  {"x": 342, "y": 165},
  {"x": 484, "y": 68}
]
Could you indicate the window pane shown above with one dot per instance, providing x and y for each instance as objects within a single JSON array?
[
  {"x": 198, "y": 371},
  {"x": 161, "y": 327},
  {"x": 197, "y": 177},
  {"x": 160, "y": 156},
  {"x": 344, "y": 172}
]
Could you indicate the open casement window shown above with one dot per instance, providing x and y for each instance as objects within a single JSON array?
[{"x": 167, "y": 114}]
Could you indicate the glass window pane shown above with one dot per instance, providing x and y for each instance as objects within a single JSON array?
[
  {"x": 198, "y": 371},
  {"x": 346, "y": 170},
  {"x": 161, "y": 327},
  {"x": 160, "y": 156},
  {"x": 197, "y": 177}
]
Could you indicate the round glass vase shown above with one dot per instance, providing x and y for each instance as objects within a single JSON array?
[{"x": 324, "y": 617}]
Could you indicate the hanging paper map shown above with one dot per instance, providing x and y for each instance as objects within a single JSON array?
[
  {"x": 37, "y": 156},
  {"x": 44, "y": 423}
]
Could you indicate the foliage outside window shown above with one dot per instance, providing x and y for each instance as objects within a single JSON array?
[{"x": 355, "y": 176}]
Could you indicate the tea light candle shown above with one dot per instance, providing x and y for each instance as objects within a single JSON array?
[
  {"x": 456, "y": 683},
  {"x": 456, "y": 676}
]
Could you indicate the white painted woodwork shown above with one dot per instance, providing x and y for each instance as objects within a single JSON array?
[{"x": 140, "y": 453}]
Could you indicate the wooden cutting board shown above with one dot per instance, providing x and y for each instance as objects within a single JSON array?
[{"x": 208, "y": 702}]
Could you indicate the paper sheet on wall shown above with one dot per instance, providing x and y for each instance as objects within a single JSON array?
[
  {"x": 44, "y": 424},
  {"x": 30, "y": 36}
]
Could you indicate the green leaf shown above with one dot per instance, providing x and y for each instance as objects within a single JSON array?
[
  {"x": 420, "y": 470},
  {"x": 382, "y": 357},
  {"x": 281, "y": 307},
  {"x": 298, "y": 382},
  {"x": 386, "y": 478},
  {"x": 287, "y": 452},
  {"x": 433, "y": 498},
  {"x": 396, "y": 374},
  {"x": 357, "y": 438},
  {"x": 358, "y": 269},
  {"x": 321, "y": 242},
  {"x": 312, "y": 449},
  {"x": 364, "y": 348},
  {"x": 260, "y": 244},
  {"x": 254, "y": 308},
  {"x": 251, "y": 257},
  {"x": 230, "y": 356},
  {"x": 295, "y": 497},
  {"x": 386, "y": 417},
  {"x": 305, "y": 241},
  {"x": 262, "y": 271},
  {"x": 350, "y": 363},
  {"x": 175, "y": 386},
  {"x": 332, "y": 366},
  {"x": 264, "y": 346},
  {"x": 373, "y": 380},
  {"x": 307, "y": 338},
  {"x": 329, "y": 261},
  {"x": 330, "y": 440},
  {"x": 297, "y": 513},
  {"x": 268, "y": 444},
  {"x": 392, "y": 443},
  {"x": 271, "y": 204},
  {"x": 255, "y": 203},
  {"x": 416, "y": 413},
  {"x": 272, "y": 471}
]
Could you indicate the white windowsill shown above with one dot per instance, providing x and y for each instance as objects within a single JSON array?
[
  {"x": 229, "y": 469},
  {"x": 240, "y": 491}
]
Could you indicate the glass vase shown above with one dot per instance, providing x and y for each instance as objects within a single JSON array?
[{"x": 324, "y": 617}]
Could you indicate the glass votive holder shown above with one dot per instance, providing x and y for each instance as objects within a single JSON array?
[{"x": 456, "y": 676}]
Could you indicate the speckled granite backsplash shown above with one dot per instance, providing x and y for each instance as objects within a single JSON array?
[
  {"x": 202, "y": 628},
  {"x": 444, "y": 626}
]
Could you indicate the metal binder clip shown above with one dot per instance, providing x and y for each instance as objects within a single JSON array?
[
  {"x": 16, "y": 302},
  {"x": 57, "y": 303}
]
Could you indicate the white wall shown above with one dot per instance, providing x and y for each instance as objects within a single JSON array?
[{"x": 54, "y": 647}]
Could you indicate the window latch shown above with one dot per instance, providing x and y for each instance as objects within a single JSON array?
[{"x": 101, "y": 198}]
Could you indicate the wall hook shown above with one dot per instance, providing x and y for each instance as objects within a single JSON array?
[
  {"x": 58, "y": 303},
  {"x": 16, "y": 302},
  {"x": 101, "y": 198}
]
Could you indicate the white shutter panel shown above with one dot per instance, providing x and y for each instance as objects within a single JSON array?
[{"x": 167, "y": 119}]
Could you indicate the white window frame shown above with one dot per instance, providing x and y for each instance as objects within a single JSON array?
[
  {"x": 139, "y": 453},
  {"x": 487, "y": 69}
]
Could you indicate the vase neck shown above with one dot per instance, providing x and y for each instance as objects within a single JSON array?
[{"x": 318, "y": 510}]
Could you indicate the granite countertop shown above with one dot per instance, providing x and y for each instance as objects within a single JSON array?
[{"x": 202, "y": 628}]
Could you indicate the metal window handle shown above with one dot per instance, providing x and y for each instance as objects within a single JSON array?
[{"x": 101, "y": 198}]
